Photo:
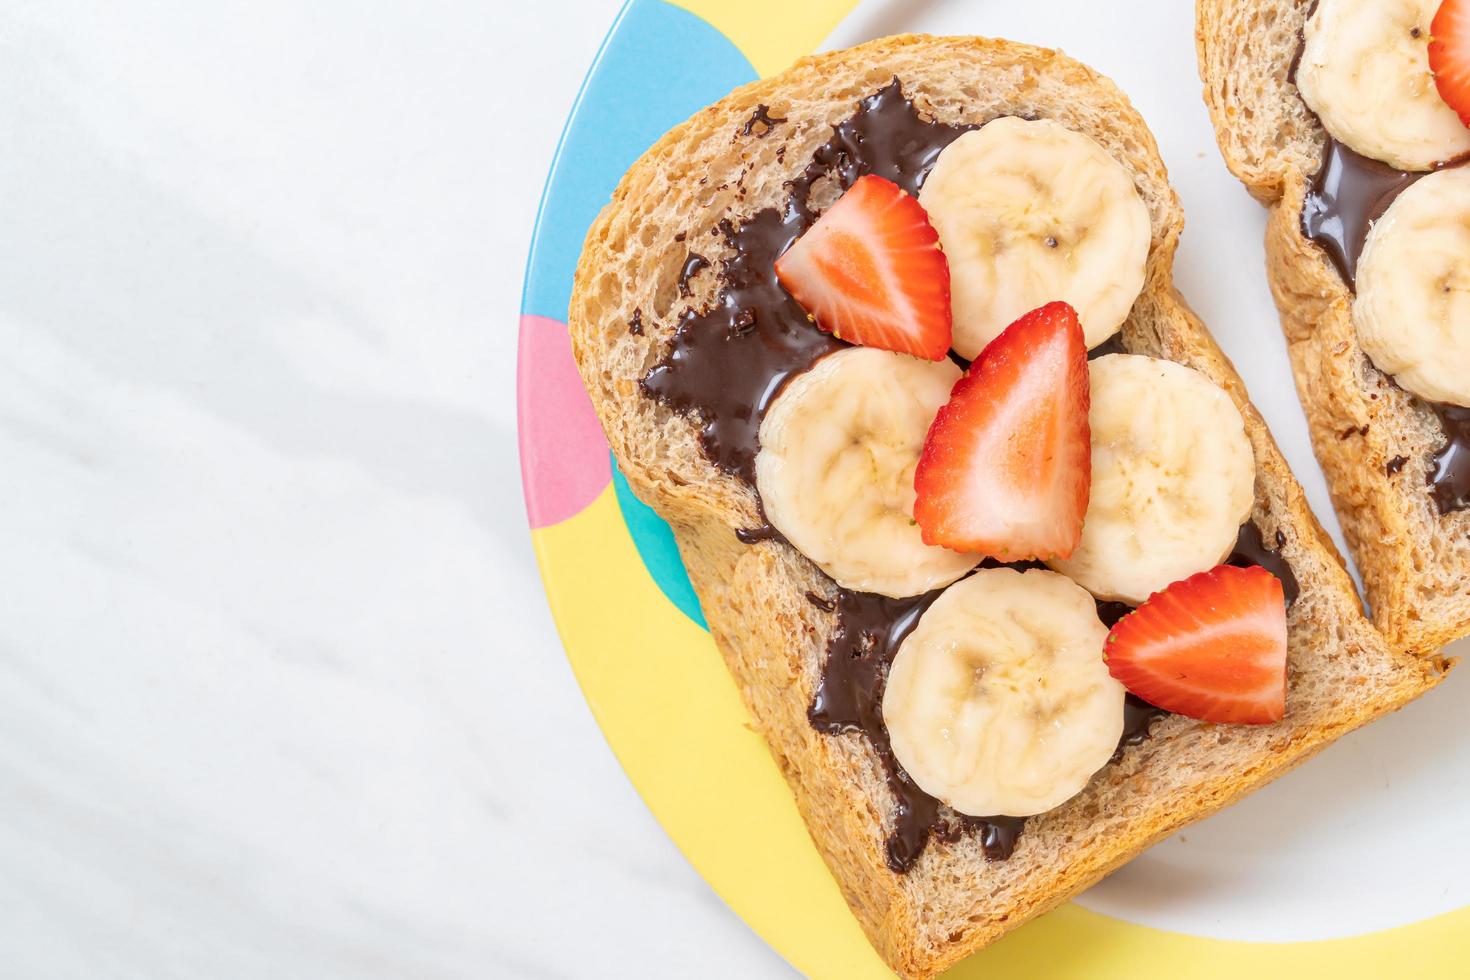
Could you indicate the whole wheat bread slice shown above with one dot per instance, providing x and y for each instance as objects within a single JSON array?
[
  {"x": 1373, "y": 440},
  {"x": 953, "y": 901}
]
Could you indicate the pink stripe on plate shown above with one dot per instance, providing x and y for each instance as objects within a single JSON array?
[{"x": 564, "y": 457}]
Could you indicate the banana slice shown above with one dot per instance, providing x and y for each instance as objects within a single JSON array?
[
  {"x": 835, "y": 469},
  {"x": 1412, "y": 310},
  {"x": 1029, "y": 212},
  {"x": 1173, "y": 478},
  {"x": 999, "y": 702},
  {"x": 1365, "y": 73}
]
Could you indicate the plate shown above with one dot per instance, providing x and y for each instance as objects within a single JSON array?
[{"x": 634, "y": 635}]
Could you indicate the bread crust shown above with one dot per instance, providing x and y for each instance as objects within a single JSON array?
[
  {"x": 953, "y": 901},
  {"x": 1414, "y": 561}
]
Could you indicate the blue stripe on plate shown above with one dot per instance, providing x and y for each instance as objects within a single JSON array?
[
  {"x": 655, "y": 543},
  {"x": 658, "y": 66}
]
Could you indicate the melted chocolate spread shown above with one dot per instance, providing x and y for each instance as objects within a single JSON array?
[
  {"x": 870, "y": 628},
  {"x": 764, "y": 531},
  {"x": 1250, "y": 549},
  {"x": 761, "y": 117},
  {"x": 1113, "y": 345},
  {"x": 1449, "y": 467},
  {"x": 728, "y": 362},
  {"x": 849, "y": 698},
  {"x": 693, "y": 266},
  {"x": 1348, "y": 193}
]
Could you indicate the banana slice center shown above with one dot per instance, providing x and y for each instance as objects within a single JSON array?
[
  {"x": 1412, "y": 309},
  {"x": 999, "y": 702},
  {"x": 1028, "y": 212},
  {"x": 1365, "y": 73},
  {"x": 1173, "y": 478},
  {"x": 836, "y": 465}
]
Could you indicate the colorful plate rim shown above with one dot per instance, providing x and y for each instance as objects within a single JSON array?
[{"x": 630, "y": 622}]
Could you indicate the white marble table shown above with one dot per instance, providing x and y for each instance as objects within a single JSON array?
[{"x": 279, "y": 694}]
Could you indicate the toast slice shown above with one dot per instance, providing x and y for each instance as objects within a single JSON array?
[
  {"x": 1374, "y": 440},
  {"x": 637, "y": 277}
]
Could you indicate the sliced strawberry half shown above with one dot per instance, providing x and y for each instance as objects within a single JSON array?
[
  {"x": 871, "y": 272},
  {"x": 1007, "y": 464},
  {"x": 1449, "y": 55},
  {"x": 1212, "y": 646}
]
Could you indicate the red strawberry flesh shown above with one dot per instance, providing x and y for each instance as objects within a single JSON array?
[
  {"x": 1449, "y": 55},
  {"x": 870, "y": 271},
  {"x": 1212, "y": 646},
  {"x": 1007, "y": 464}
]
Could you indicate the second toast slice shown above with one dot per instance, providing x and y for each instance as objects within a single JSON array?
[{"x": 1377, "y": 443}]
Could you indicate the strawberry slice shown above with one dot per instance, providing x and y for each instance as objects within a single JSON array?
[
  {"x": 1449, "y": 55},
  {"x": 871, "y": 272},
  {"x": 1007, "y": 464},
  {"x": 1212, "y": 646}
]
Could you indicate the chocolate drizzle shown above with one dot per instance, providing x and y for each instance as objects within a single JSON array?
[
  {"x": 1449, "y": 467},
  {"x": 849, "y": 698},
  {"x": 1349, "y": 193},
  {"x": 693, "y": 265},
  {"x": 761, "y": 117},
  {"x": 1110, "y": 612},
  {"x": 727, "y": 363},
  {"x": 822, "y": 602},
  {"x": 1138, "y": 719},
  {"x": 869, "y": 630},
  {"x": 764, "y": 531},
  {"x": 1113, "y": 345},
  {"x": 1250, "y": 549}
]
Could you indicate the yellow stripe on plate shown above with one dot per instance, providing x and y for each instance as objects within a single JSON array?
[
  {"x": 1073, "y": 943},
  {"x": 771, "y": 33},
  {"x": 671, "y": 713}
]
